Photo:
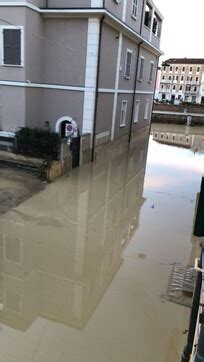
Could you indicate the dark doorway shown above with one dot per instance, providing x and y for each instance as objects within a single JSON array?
[
  {"x": 173, "y": 98},
  {"x": 202, "y": 100}
]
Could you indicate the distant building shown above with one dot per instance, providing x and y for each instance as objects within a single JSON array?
[
  {"x": 87, "y": 65},
  {"x": 182, "y": 80}
]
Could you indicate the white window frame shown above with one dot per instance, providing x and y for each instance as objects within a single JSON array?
[
  {"x": 21, "y": 28},
  {"x": 123, "y": 113},
  {"x": 151, "y": 72},
  {"x": 128, "y": 51},
  {"x": 134, "y": 10},
  {"x": 139, "y": 70},
  {"x": 147, "y": 107},
  {"x": 136, "y": 111}
]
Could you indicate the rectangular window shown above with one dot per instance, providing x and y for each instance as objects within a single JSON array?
[
  {"x": 171, "y": 69},
  {"x": 176, "y": 69},
  {"x": 136, "y": 112},
  {"x": 182, "y": 78},
  {"x": 128, "y": 64},
  {"x": 12, "y": 46},
  {"x": 141, "y": 69},
  {"x": 195, "y": 89},
  {"x": 123, "y": 114},
  {"x": 181, "y": 87},
  {"x": 134, "y": 8},
  {"x": 191, "y": 68},
  {"x": 147, "y": 105},
  {"x": 183, "y": 69},
  {"x": 148, "y": 15},
  {"x": 196, "y": 79},
  {"x": 156, "y": 29},
  {"x": 151, "y": 72},
  {"x": 198, "y": 69}
]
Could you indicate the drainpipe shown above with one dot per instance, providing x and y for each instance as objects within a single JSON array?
[
  {"x": 97, "y": 87},
  {"x": 134, "y": 94},
  {"x": 142, "y": 17}
]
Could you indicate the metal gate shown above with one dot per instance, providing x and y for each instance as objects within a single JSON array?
[{"x": 75, "y": 149}]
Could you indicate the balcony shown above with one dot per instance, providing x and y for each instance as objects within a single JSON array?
[{"x": 192, "y": 82}]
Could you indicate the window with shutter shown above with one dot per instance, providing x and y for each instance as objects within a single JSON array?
[
  {"x": 123, "y": 114},
  {"x": 12, "y": 47},
  {"x": 128, "y": 64},
  {"x": 151, "y": 72},
  {"x": 141, "y": 69},
  {"x": 147, "y": 105},
  {"x": 136, "y": 111}
]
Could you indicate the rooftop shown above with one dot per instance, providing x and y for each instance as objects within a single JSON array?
[{"x": 184, "y": 61}]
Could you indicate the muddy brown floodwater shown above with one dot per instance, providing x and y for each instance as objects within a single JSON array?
[{"x": 85, "y": 264}]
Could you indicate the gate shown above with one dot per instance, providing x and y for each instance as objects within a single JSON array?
[{"x": 75, "y": 149}]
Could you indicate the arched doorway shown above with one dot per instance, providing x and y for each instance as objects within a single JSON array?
[{"x": 67, "y": 128}]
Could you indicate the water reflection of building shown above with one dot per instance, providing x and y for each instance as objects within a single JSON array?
[
  {"x": 62, "y": 248},
  {"x": 188, "y": 137}
]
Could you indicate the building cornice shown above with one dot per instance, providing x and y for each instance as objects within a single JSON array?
[{"x": 88, "y": 12}]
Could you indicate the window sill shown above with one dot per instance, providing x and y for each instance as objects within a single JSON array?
[
  {"x": 140, "y": 80},
  {"x": 150, "y": 81},
  {"x": 122, "y": 125},
  {"x": 134, "y": 17},
  {"x": 12, "y": 65},
  {"x": 135, "y": 122},
  {"x": 127, "y": 78}
]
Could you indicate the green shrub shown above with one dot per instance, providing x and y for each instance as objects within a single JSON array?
[{"x": 35, "y": 142}]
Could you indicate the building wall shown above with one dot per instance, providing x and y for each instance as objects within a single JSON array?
[
  {"x": 69, "y": 3},
  {"x": 61, "y": 103},
  {"x": 124, "y": 83},
  {"x": 33, "y": 107},
  {"x": 13, "y": 112},
  {"x": 64, "y": 57}
]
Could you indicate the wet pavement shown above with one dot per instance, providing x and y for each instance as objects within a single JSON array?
[{"x": 85, "y": 264}]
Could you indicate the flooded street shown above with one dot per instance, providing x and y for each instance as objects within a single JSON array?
[{"x": 85, "y": 264}]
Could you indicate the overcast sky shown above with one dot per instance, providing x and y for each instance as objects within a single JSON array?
[{"x": 183, "y": 28}]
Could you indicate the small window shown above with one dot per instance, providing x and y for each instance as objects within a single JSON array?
[
  {"x": 181, "y": 87},
  {"x": 162, "y": 86},
  {"x": 147, "y": 104},
  {"x": 183, "y": 69},
  {"x": 171, "y": 69},
  {"x": 128, "y": 64},
  {"x": 191, "y": 68},
  {"x": 12, "y": 46},
  {"x": 134, "y": 8},
  {"x": 151, "y": 72},
  {"x": 170, "y": 77},
  {"x": 191, "y": 78},
  {"x": 182, "y": 78},
  {"x": 136, "y": 112},
  {"x": 156, "y": 29},
  {"x": 198, "y": 69},
  {"x": 176, "y": 69},
  {"x": 196, "y": 79},
  {"x": 195, "y": 89},
  {"x": 163, "y": 77},
  {"x": 162, "y": 136},
  {"x": 177, "y": 77},
  {"x": 141, "y": 69},
  {"x": 164, "y": 68},
  {"x": 174, "y": 87},
  {"x": 148, "y": 15},
  {"x": 123, "y": 114}
]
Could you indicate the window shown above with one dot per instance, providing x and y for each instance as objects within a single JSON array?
[
  {"x": 171, "y": 69},
  {"x": 151, "y": 72},
  {"x": 182, "y": 78},
  {"x": 196, "y": 79},
  {"x": 156, "y": 29},
  {"x": 191, "y": 78},
  {"x": 141, "y": 69},
  {"x": 191, "y": 68},
  {"x": 148, "y": 15},
  {"x": 134, "y": 8},
  {"x": 12, "y": 46},
  {"x": 174, "y": 87},
  {"x": 170, "y": 77},
  {"x": 181, "y": 87},
  {"x": 163, "y": 77},
  {"x": 147, "y": 104},
  {"x": 195, "y": 89},
  {"x": 164, "y": 68},
  {"x": 183, "y": 69},
  {"x": 162, "y": 86},
  {"x": 136, "y": 112},
  {"x": 123, "y": 114},
  {"x": 177, "y": 77},
  {"x": 128, "y": 64},
  {"x": 198, "y": 69},
  {"x": 176, "y": 69}
]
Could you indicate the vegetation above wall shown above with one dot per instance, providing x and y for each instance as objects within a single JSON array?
[{"x": 39, "y": 143}]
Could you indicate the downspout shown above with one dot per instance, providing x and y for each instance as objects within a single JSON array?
[
  {"x": 134, "y": 94},
  {"x": 142, "y": 17},
  {"x": 97, "y": 87}
]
